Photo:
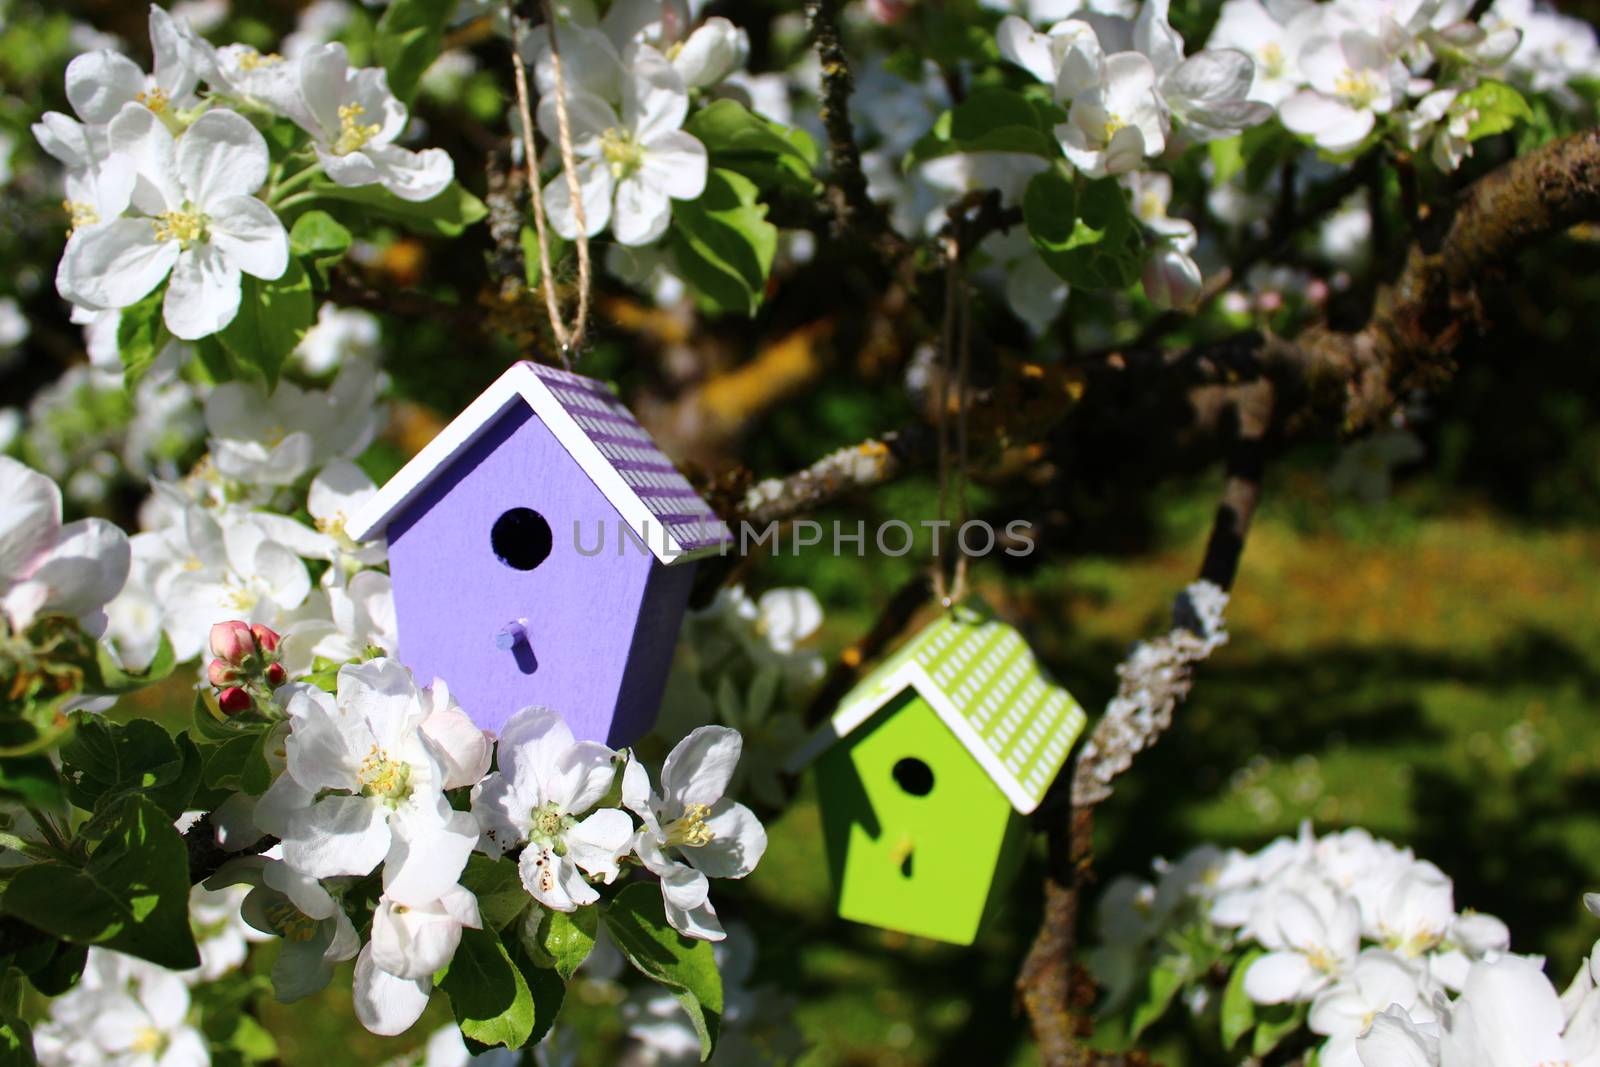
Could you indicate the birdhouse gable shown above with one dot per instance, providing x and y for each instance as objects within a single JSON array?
[
  {"x": 983, "y": 681},
  {"x": 654, "y": 500}
]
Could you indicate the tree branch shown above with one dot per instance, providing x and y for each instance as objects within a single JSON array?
[{"x": 853, "y": 209}]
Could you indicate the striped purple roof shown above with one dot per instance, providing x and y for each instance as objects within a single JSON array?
[{"x": 633, "y": 454}]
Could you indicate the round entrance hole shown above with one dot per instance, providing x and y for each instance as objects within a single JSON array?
[
  {"x": 521, "y": 538},
  {"x": 914, "y": 776}
]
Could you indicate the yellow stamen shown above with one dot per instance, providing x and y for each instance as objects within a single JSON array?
[
  {"x": 1360, "y": 88},
  {"x": 148, "y": 1040},
  {"x": 1272, "y": 59},
  {"x": 1113, "y": 124},
  {"x": 291, "y": 922},
  {"x": 381, "y": 776},
  {"x": 250, "y": 59},
  {"x": 80, "y": 213},
  {"x": 622, "y": 153},
  {"x": 240, "y": 599},
  {"x": 156, "y": 100},
  {"x": 185, "y": 227},
  {"x": 352, "y": 134},
  {"x": 690, "y": 828}
]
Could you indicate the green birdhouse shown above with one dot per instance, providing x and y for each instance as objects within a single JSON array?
[{"x": 927, "y": 770}]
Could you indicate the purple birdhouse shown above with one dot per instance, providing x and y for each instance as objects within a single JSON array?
[{"x": 542, "y": 548}]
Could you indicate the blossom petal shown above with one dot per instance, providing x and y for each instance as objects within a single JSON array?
[
  {"x": 99, "y": 83},
  {"x": 643, "y": 211},
  {"x": 699, "y": 922},
  {"x": 712, "y": 52},
  {"x": 204, "y": 295},
  {"x": 426, "y": 858},
  {"x": 87, "y": 566},
  {"x": 675, "y": 163},
  {"x": 588, "y": 117},
  {"x": 1335, "y": 125},
  {"x": 654, "y": 98},
  {"x": 384, "y": 1003},
  {"x": 30, "y": 520},
  {"x": 114, "y": 264},
  {"x": 248, "y": 233},
  {"x": 323, "y": 72},
  {"x": 599, "y": 842},
  {"x": 414, "y": 176},
  {"x": 1029, "y": 49},
  {"x": 594, "y": 185},
  {"x": 1279, "y": 977},
  {"x": 337, "y": 835},
  {"x": 738, "y": 841},
  {"x": 463, "y": 748},
  {"x": 137, "y": 134},
  {"x": 221, "y": 156},
  {"x": 699, "y": 768}
]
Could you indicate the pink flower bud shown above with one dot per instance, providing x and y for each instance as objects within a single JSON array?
[
  {"x": 276, "y": 675},
  {"x": 1270, "y": 301},
  {"x": 888, "y": 12},
  {"x": 231, "y": 641},
  {"x": 221, "y": 674},
  {"x": 233, "y": 700},
  {"x": 1171, "y": 279},
  {"x": 268, "y": 639}
]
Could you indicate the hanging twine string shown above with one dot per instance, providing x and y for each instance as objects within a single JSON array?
[
  {"x": 569, "y": 338},
  {"x": 955, "y": 344}
]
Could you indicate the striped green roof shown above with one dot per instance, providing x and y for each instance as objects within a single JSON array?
[{"x": 983, "y": 680}]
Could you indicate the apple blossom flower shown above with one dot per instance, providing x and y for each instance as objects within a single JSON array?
[
  {"x": 1270, "y": 32},
  {"x": 394, "y": 973},
  {"x": 1113, "y": 126},
  {"x": 630, "y": 167},
  {"x": 235, "y": 570},
  {"x": 1416, "y": 911},
  {"x": 47, "y": 568},
  {"x": 338, "y": 333},
  {"x": 1209, "y": 91},
  {"x": 1508, "y": 1014},
  {"x": 316, "y": 932},
  {"x": 1312, "y": 934},
  {"x": 354, "y": 119},
  {"x": 539, "y": 797},
  {"x": 1345, "y": 1010},
  {"x": 275, "y": 439},
  {"x": 1353, "y": 78},
  {"x": 714, "y": 50},
  {"x": 692, "y": 831},
  {"x": 125, "y": 1012},
  {"x": 363, "y": 785},
  {"x": 193, "y": 218},
  {"x": 1396, "y": 1040}
]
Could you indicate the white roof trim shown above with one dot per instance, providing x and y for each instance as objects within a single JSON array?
[
  {"x": 910, "y": 674},
  {"x": 519, "y": 382}
]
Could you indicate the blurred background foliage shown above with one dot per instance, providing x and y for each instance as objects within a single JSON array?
[{"x": 1421, "y": 659}]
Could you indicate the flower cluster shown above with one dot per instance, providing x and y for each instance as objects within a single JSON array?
[
  {"x": 169, "y": 183},
  {"x": 1363, "y": 939},
  {"x": 362, "y": 790}
]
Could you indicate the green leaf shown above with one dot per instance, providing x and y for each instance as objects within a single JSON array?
[
  {"x": 992, "y": 120},
  {"x": 1277, "y": 1021},
  {"x": 490, "y": 997},
  {"x": 568, "y": 938},
  {"x": 320, "y": 240},
  {"x": 16, "y": 1044},
  {"x": 1087, "y": 235},
  {"x": 141, "y": 335},
  {"x": 1499, "y": 107},
  {"x": 238, "y": 762},
  {"x": 1238, "y": 1010},
  {"x": 105, "y": 760},
  {"x": 30, "y": 779},
  {"x": 409, "y": 36},
  {"x": 723, "y": 244},
  {"x": 132, "y": 895},
  {"x": 498, "y": 887},
  {"x": 272, "y": 318},
  {"x": 764, "y": 151},
  {"x": 544, "y": 984},
  {"x": 638, "y": 924},
  {"x": 60, "y": 972},
  {"x": 446, "y": 215},
  {"x": 1166, "y": 978},
  {"x": 110, "y": 679}
]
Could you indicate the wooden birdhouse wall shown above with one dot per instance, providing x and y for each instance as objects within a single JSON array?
[
  {"x": 599, "y": 629},
  {"x": 919, "y": 838}
]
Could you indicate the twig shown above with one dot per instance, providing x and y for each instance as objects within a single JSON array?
[
  {"x": 349, "y": 290},
  {"x": 853, "y": 209}
]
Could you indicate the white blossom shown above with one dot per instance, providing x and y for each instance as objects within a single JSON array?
[
  {"x": 541, "y": 798},
  {"x": 692, "y": 831},
  {"x": 192, "y": 217},
  {"x": 47, "y": 568},
  {"x": 354, "y": 120},
  {"x": 394, "y": 973},
  {"x": 632, "y": 165}
]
